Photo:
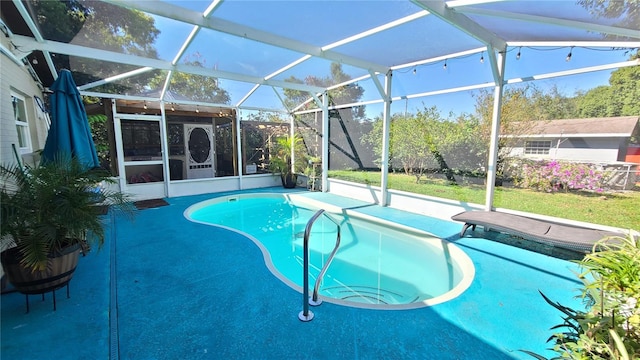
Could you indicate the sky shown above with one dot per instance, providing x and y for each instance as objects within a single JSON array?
[{"x": 226, "y": 52}]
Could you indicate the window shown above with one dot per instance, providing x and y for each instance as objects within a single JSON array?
[
  {"x": 22, "y": 123},
  {"x": 537, "y": 147},
  {"x": 141, "y": 140}
]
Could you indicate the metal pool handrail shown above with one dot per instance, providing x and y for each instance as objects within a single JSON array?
[{"x": 305, "y": 314}]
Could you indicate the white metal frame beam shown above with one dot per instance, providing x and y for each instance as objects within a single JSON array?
[
  {"x": 611, "y": 30},
  {"x": 195, "y": 18},
  {"x": 36, "y": 34},
  {"x": 462, "y": 22},
  {"x": 81, "y": 51}
]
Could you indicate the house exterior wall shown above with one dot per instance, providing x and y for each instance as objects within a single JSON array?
[
  {"x": 593, "y": 150},
  {"x": 590, "y": 149},
  {"x": 16, "y": 79}
]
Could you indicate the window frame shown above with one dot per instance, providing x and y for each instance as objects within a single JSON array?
[
  {"x": 23, "y": 129},
  {"x": 537, "y": 147}
]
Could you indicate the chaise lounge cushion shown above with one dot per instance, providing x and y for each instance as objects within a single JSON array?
[{"x": 566, "y": 236}]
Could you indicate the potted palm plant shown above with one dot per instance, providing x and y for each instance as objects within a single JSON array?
[
  {"x": 288, "y": 148},
  {"x": 49, "y": 213}
]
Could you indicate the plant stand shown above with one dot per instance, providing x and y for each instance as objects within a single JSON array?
[{"x": 54, "y": 297}]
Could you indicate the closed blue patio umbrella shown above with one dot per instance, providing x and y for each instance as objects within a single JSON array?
[{"x": 69, "y": 134}]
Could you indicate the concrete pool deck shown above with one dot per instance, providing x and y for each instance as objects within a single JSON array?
[{"x": 163, "y": 287}]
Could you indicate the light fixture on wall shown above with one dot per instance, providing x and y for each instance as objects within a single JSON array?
[
  {"x": 145, "y": 105},
  {"x": 197, "y": 110},
  {"x": 173, "y": 108},
  {"x": 568, "y": 58}
]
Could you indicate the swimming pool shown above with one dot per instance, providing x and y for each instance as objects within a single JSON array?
[{"x": 378, "y": 265}]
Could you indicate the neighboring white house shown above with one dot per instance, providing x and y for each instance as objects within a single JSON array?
[
  {"x": 24, "y": 126},
  {"x": 594, "y": 140},
  {"x": 605, "y": 142}
]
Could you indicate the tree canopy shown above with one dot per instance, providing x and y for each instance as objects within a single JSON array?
[
  {"x": 194, "y": 87},
  {"x": 101, "y": 25}
]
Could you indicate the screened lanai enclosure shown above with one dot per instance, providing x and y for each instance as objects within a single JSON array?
[{"x": 190, "y": 97}]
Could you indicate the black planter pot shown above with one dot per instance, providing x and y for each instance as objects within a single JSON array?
[{"x": 289, "y": 180}]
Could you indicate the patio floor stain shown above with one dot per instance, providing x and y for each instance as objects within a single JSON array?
[{"x": 192, "y": 291}]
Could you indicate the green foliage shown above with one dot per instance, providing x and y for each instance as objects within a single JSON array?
[
  {"x": 49, "y": 207},
  {"x": 597, "y": 102},
  {"x": 100, "y": 134},
  {"x": 555, "y": 175},
  {"x": 194, "y": 87},
  {"x": 424, "y": 141},
  {"x": 626, "y": 10},
  {"x": 581, "y": 206},
  {"x": 103, "y": 26},
  {"x": 342, "y": 95},
  {"x": 610, "y": 328},
  {"x": 620, "y": 98},
  {"x": 280, "y": 158}
]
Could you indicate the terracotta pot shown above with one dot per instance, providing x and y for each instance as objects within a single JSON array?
[{"x": 59, "y": 271}]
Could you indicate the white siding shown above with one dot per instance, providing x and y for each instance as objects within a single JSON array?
[
  {"x": 17, "y": 79},
  {"x": 589, "y": 149},
  {"x": 595, "y": 150}
]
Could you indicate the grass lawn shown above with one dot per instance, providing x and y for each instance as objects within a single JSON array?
[{"x": 619, "y": 209}]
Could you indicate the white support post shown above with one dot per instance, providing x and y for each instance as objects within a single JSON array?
[
  {"x": 117, "y": 129},
  {"x": 325, "y": 142},
  {"x": 495, "y": 132},
  {"x": 239, "y": 149},
  {"x": 386, "y": 128},
  {"x": 292, "y": 133},
  {"x": 164, "y": 139}
]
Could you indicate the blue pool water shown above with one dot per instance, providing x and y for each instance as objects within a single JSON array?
[{"x": 378, "y": 265}]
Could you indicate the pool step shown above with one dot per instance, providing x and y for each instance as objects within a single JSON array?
[{"x": 367, "y": 294}]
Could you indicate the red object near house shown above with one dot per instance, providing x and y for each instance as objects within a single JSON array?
[{"x": 633, "y": 155}]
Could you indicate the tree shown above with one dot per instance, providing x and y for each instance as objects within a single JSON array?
[
  {"x": 346, "y": 126},
  {"x": 627, "y": 11},
  {"x": 192, "y": 86},
  {"x": 596, "y": 102},
  {"x": 619, "y": 98},
  {"x": 99, "y": 25},
  {"x": 422, "y": 142},
  {"x": 342, "y": 95},
  {"x": 516, "y": 117},
  {"x": 625, "y": 88},
  {"x": 551, "y": 104}
]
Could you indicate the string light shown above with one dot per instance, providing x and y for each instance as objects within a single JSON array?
[
  {"x": 414, "y": 71},
  {"x": 445, "y": 65},
  {"x": 568, "y": 58},
  {"x": 197, "y": 110},
  {"x": 145, "y": 105},
  {"x": 518, "y": 54},
  {"x": 482, "y": 58},
  {"x": 173, "y": 108}
]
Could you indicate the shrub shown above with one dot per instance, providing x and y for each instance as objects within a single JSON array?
[
  {"x": 610, "y": 328},
  {"x": 554, "y": 175}
]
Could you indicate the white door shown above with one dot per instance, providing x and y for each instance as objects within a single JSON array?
[{"x": 199, "y": 150}]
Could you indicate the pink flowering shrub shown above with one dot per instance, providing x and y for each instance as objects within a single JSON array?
[{"x": 554, "y": 176}]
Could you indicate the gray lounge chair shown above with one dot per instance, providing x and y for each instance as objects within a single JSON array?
[{"x": 569, "y": 237}]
